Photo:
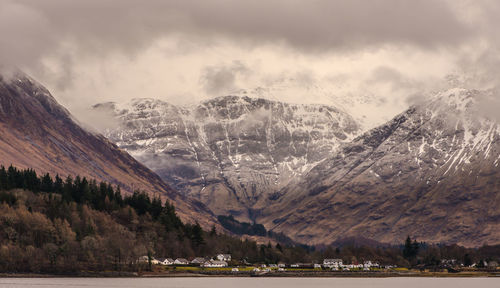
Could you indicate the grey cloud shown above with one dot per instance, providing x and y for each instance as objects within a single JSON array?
[
  {"x": 489, "y": 105},
  {"x": 482, "y": 70},
  {"x": 32, "y": 29},
  {"x": 389, "y": 75},
  {"x": 399, "y": 83},
  {"x": 221, "y": 79}
]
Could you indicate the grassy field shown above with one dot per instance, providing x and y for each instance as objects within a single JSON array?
[{"x": 200, "y": 269}]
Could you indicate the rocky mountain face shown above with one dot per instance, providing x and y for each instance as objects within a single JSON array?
[
  {"x": 432, "y": 172},
  {"x": 36, "y": 132},
  {"x": 232, "y": 153}
]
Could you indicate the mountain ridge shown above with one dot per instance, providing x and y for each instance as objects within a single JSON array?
[
  {"x": 231, "y": 149},
  {"x": 420, "y": 174},
  {"x": 39, "y": 133}
]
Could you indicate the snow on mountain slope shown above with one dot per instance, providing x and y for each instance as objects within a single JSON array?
[
  {"x": 230, "y": 152},
  {"x": 432, "y": 172}
]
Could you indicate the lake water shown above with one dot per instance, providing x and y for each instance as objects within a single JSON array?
[{"x": 227, "y": 282}]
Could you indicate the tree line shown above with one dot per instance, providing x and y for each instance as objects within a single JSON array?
[
  {"x": 48, "y": 224},
  {"x": 51, "y": 225}
]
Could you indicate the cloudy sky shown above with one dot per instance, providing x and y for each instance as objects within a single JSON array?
[{"x": 372, "y": 55}]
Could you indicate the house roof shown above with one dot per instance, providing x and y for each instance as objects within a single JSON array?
[{"x": 181, "y": 260}]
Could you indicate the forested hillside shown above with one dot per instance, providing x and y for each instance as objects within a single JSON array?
[
  {"x": 54, "y": 225},
  {"x": 51, "y": 225}
]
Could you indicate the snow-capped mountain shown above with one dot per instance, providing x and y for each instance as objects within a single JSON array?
[
  {"x": 230, "y": 152},
  {"x": 431, "y": 172}
]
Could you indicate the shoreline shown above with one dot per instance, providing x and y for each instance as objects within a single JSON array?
[{"x": 305, "y": 274}]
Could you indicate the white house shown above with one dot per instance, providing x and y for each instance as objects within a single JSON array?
[
  {"x": 352, "y": 266},
  {"x": 198, "y": 260},
  {"x": 331, "y": 263},
  {"x": 235, "y": 270},
  {"x": 317, "y": 266},
  {"x": 168, "y": 261},
  {"x": 214, "y": 264},
  {"x": 370, "y": 264},
  {"x": 165, "y": 261},
  {"x": 181, "y": 261},
  {"x": 224, "y": 257}
]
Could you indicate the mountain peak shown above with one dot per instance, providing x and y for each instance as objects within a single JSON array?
[
  {"x": 30, "y": 90},
  {"x": 424, "y": 173}
]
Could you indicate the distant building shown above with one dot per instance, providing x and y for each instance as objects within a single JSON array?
[
  {"x": 352, "y": 266},
  {"x": 302, "y": 265},
  {"x": 370, "y": 264},
  {"x": 167, "y": 261},
  {"x": 331, "y": 263},
  {"x": 224, "y": 257},
  {"x": 281, "y": 265},
  {"x": 214, "y": 264},
  {"x": 181, "y": 261},
  {"x": 316, "y": 266},
  {"x": 198, "y": 261}
]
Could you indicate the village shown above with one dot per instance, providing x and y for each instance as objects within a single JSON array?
[
  {"x": 225, "y": 261},
  {"x": 224, "y": 264}
]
